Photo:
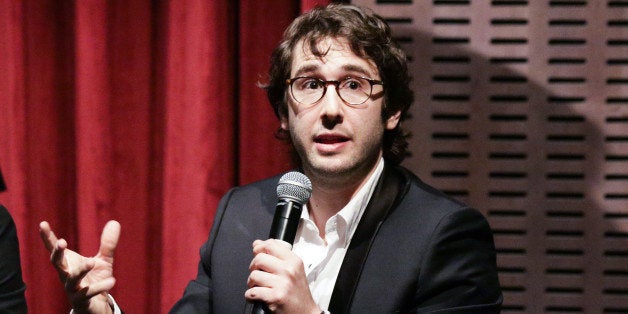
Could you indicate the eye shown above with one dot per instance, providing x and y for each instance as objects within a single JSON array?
[
  {"x": 352, "y": 83},
  {"x": 309, "y": 83}
]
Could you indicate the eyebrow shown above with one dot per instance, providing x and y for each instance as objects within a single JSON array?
[{"x": 347, "y": 67}]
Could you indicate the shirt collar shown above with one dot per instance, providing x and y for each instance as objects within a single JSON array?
[{"x": 353, "y": 211}]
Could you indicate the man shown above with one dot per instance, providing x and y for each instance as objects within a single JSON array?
[{"x": 372, "y": 238}]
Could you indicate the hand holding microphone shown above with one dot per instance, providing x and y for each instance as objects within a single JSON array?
[{"x": 277, "y": 281}]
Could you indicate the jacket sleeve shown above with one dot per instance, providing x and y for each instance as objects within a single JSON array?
[
  {"x": 198, "y": 295},
  {"x": 459, "y": 272},
  {"x": 11, "y": 285}
]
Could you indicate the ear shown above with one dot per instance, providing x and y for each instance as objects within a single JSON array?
[
  {"x": 284, "y": 122},
  {"x": 393, "y": 120}
]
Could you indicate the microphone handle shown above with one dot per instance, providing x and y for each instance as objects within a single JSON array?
[
  {"x": 284, "y": 228},
  {"x": 286, "y": 221},
  {"x": 260, "y": 308}
]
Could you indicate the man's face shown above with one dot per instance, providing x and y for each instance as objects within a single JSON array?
[{"x": 331, "y": 137}]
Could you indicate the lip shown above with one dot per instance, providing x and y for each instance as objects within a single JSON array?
[{"x": 330, "y": 143}]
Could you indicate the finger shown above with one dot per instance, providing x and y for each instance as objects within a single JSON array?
[
  {"x": 102, "y": 286},
  {"x": 109, "y": 239},
  {"x": 47, "y": 236},
  {"x": 277, "y": 248},
  {"x": 259, "y": 278},
  {"x": 262, "y": 294},
  {"x": 73, "y": 279},
  {"x": 57, "y": 255},
  {"x": 99, "y": 287},
  {"x": 81, "y": 299},
  {"x": 265, "y": 262},
  {"x": 257, "y": 242}
]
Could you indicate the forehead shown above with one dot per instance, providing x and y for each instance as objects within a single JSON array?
[{"x": 336, "y": 55}]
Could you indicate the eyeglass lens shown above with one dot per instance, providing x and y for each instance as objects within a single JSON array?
[{"x": 309, "y": 90}]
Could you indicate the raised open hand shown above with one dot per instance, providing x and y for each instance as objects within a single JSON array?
[{"x": 86, "y": 279}]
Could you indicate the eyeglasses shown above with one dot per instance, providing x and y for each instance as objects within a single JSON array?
[{"x": 352, "y": 90}]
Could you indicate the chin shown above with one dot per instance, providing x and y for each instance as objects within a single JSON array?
[{"x": 333, "y": 166}]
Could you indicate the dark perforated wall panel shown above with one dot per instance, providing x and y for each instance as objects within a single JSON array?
[{"x": 522, "y": 111}]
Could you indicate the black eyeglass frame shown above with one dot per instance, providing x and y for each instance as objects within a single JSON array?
[{"x": 337, "y": 84}]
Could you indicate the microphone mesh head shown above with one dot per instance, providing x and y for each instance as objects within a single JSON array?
[{"x": 295, "y": 186}]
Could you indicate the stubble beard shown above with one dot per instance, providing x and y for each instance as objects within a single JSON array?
[{"x": 337, "y": 172}]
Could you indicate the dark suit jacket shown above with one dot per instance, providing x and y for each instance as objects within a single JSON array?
[
  {"x": 11, "y": 285},
  {"x": 414, "y": 250}
]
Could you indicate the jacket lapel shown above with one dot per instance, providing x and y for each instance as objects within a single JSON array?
[{"x": 391, "y": 186}]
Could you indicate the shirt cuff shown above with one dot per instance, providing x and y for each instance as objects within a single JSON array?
[{"x": 112, "y": 302}]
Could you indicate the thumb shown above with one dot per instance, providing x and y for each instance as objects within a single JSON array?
[{"x": 109, "y": 239}]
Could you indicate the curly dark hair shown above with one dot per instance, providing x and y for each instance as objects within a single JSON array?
[{"x": 369, "y": 37}]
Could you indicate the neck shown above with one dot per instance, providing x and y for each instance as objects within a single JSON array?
[{"x": 332, "y": 193}]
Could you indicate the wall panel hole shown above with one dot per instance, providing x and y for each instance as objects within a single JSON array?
[
  {"x": 566, "y": 61},
  {"x": 506, "y": 213},
  {"x": 509, "y": 22},
  {"x": 508, "y": 155},
  {"x": 617, "y": 120},
  {"x": 564, "y": 252},
  {"x": 508, "y": 117},
  {"x": 507, "y": 175},
  {"x": 450, "y": 116},
  {"x": 565, "y": 233},
  {"x": 565, "y": 99},
  {"x": 563, "y": 309},
  {"x": 565, "y": 138},
  {"x": 564, "y": 271},
  {"x": 565, "y": 176},
  {"x": 508, "y": 98},
  {"x": 451, "y": 2},
  {"x": 508, "y": 79},
  {"x": 509, "y": 2},
  {"x": 451, "y": 21},
  {"x": 617, "y": 23},
  {"x": 567, "y": 22},
  {"x": 566, "y": 41},
  {"x": 566, "y": 80},
  {"x": 451, "y": 59},
  {"x": 506, "y": 60},
  {"x": 450, "y": 40},
  {"x": 509, "y": 41},
  {"x": 565, "y": 157},
  {"x": 567, "y": 3},
  {"x": 565, "y": 214},
  {"x": 564, "y": 290},
  {"x": 449, "y": 174},
  {"x": 451, "y": 78},
  {"x": 565, "y": 118},
  {"x": 507, "y": 137},
  {"x": 451, "y": 97},
  {"x": 617, "y": 61},
  {"x": 564, "y": 195},
  {"x": 450, "y": 136}
]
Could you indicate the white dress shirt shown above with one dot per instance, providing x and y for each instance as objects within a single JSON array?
[{"x": 322, "y": 258}]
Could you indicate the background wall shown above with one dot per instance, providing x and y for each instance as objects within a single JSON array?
[{"x": 522, "y": 111}]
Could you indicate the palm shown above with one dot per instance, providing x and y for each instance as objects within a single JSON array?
[
  {"x": 86, "y": 279},
  {"x": 103, "y": 267}
]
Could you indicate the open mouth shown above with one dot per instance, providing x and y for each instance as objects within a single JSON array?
[{"x": 330, "y": 139}]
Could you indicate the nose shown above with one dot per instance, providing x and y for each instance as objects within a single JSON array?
[{"x": 331, "y": 107}]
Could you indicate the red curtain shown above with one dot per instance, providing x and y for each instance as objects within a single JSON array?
[{"x": 141, "y": 111}]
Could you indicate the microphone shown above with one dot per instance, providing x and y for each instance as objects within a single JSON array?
[{"x": 293, "y": 190}]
